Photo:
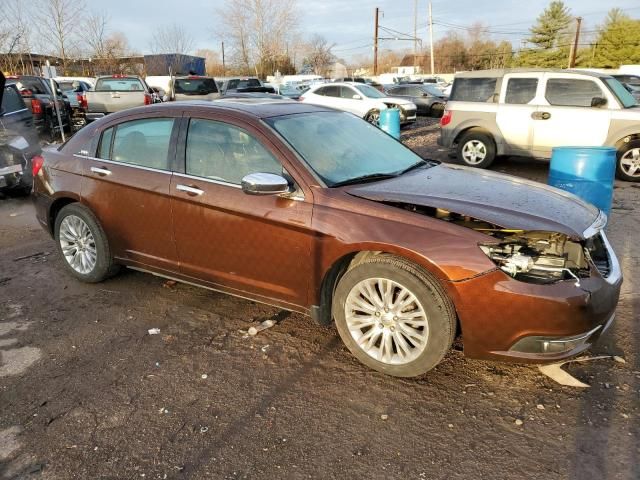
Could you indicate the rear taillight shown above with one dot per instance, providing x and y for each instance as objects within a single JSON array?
[
  {"x": 36, "y": 164},
  {"x": 36, "y": 106},
  {"x": 147, "y": 99},
  {"x": 446, "y": 118},
  {"x": 82, "y": 100}
]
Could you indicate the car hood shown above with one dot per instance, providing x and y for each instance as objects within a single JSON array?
[
  {"x": 396, "y": 100},
  {"x": 504, "y": 200}
]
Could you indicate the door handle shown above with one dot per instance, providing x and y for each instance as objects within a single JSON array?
[
  {"x": 101, "y": 171},
  {"x": 190, "y": 190},
  {"x": 541, "y": 115}
]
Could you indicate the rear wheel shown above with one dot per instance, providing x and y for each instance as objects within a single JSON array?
[
  {"x": 476, "y": 149},
  {"x": 393, "y": 317},
  {"x": 628, "y": 165},
  {"x": 437, "y": 109},
  {"x": 82, "y": 244}
]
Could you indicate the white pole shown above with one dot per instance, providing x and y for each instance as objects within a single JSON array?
[
  {"x": 415, "y": 35},
  {"x": 55, "y": 100},
  {"x": 431, "y": 39}
]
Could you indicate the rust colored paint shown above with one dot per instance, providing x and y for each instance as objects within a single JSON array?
[{"x": 278, "y": 250}]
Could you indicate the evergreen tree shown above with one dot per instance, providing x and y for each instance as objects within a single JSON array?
[
  {"x": 549, "y": 43},
  {"x": 618, "y": 41}
]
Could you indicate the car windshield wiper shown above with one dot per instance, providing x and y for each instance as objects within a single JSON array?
[
  {"x": 419, "y": 164},
  {"x": 371, "y": 177}
]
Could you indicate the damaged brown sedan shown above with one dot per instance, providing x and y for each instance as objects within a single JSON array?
[{"x": 319, "y": 212}]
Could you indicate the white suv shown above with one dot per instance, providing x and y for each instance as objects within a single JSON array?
[
  {"x": 360, "y": 99},
  {"x": 528, "y": 112}
]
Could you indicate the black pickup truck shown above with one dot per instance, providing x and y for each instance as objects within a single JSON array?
[{"x": 244, "y": 85}]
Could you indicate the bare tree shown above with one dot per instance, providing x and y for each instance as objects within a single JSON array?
[
  {"x": 60, "y": 21},
  {"x": 318, "y": 55},
  {"x": 96, "y": 34},
  {"x": 260, "y": 32},
  {"x": 212, "y": 60},
  {"x": 172, "y": 39},
  {"x": 15, "y": 37}
]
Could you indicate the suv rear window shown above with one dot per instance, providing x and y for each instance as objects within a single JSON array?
[
  {"x": 119, "y": 85},
  {"x": 571, "y": 92},
  {"x": 12, "y": 101},
  {"x": 473, "y": 89},
  {"x": 247, "y": 83},
  {"x": 520, "y": 91},
  {"x": 195, "y": 86}
]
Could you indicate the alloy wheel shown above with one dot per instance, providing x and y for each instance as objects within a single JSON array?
[
  {"x": 387, "y": 321},
  {"x": 630, "y": 162},
  {"x": 78, "y": 245},
  {"x": 374, "y": 118},
  {"x": 474, "y": 152}
]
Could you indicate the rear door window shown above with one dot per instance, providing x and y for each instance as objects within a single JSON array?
[
  {"x": 226, "y": 153},
  {"x": 474, "y": 89},
  {"x": 332, "y": 91},
  {"x": 571, "y": 92},
  {"x": 520, "y": 91},
  {"x": 348, "y": 93},
  {"x": 143, "y": 142},
  {"x": 12, "y": 101},
  {"x": 104, "y": 149}
]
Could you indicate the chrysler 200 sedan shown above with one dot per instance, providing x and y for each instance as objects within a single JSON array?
[{"x": 319, "y": 212}]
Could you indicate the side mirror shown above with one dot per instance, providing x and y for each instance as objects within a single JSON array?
[
  {"x": 598, "y": 102},
  {"x": 264, "y": 184},
  {"x": 356, "y": 97}
]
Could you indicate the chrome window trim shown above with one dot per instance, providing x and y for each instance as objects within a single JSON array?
[
  {"x": 14, "y": 112},
  {"x": 208, "y": 180},
  {"x": 112, "y": 162}
]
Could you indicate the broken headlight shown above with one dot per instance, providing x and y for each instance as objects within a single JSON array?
[{"x": 538, "y": 257}]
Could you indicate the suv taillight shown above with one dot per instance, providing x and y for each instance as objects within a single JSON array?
[
  {"x": 36, "y": 106},
  {"x": 446, "y": 118},
  {"x": 82, "y": 100},
  {"x": 147, "y": 99},
  {"x": 36, "y": 164}
]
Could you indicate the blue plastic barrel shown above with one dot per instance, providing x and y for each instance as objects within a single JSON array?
[
  {"x": 390, "y": 121},
  {"x": 587, "y": 172}
]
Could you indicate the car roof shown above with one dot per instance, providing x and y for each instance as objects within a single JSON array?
[
  {"x": 253, "y": 107},
  {"x": 499, "y": 72}
]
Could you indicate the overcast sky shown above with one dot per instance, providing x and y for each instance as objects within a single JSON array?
[{"x": 349, "y": 24}]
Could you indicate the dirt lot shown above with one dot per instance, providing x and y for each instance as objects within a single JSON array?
[{"x": 87, "y": 393}]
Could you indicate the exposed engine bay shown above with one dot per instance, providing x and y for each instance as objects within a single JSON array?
[{"x": 531, "y": 256}]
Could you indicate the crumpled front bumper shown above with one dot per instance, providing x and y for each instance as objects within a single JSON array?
[{"x": 509, "y": 320}]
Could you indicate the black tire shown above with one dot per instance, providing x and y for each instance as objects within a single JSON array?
[
  {"x": 631, "y": 146},
  {"x": 51, "y": 128},
  {"x": 104, "y": 266},
  {"x": 484, "y": 141},
  {"x": 436, "y": 110},
  {"x": 439, "y": 309},
  {"x": 373, "y": 117}
]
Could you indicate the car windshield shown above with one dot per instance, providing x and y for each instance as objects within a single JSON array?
[
  {"x": 626, "y": 99},
  {"x": 369, "y": 91},
  {"x": 432, "y": 90},
  {"x": 327, "y": 142},
  {"x": 117, "y": 84},
  {"x": 195, "y": 86}
]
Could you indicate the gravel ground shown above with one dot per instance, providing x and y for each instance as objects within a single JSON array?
[{"x": 86, "y": 392}]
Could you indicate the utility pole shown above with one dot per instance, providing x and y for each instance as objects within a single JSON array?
[
  {"x": 433, "y": 69},
  {"x": 415, "y": 35},
  {"x": 574, "y": 47},
  {"x": 375, "y": 44},
  {"x": 224, "y": 67}
]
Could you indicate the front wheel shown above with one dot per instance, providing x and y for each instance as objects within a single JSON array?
[
  {"x": 476, "y": 149},
  {"x": 628, "y": 164},
  {"x": 82, "y": 244},
  {"x": 394, "y": 317},
  {"x": 373, "y": 117}
]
